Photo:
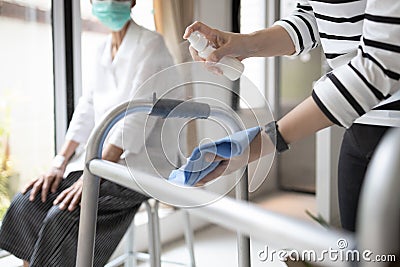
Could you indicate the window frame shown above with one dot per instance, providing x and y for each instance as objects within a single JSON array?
[{"x": 66, "y": 30}]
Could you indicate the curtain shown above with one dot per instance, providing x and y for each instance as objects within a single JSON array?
[{"x": 171, "y": 19}]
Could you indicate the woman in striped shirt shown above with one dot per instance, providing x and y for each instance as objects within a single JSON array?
[{"x": 360, "y": 39}]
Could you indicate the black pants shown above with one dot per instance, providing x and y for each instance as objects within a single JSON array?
[{"x": 358, "y": 146}]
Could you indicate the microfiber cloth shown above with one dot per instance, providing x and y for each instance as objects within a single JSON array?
[{"x": 197, "y": 167}]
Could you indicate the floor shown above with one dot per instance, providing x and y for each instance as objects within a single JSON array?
[{"x": 215, "y": 246}]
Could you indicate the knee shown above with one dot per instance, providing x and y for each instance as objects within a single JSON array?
[
  {"x": 21, "y": 204},
  {"x": 56, "y": 218},
  {"x": 53, "y": 216}
]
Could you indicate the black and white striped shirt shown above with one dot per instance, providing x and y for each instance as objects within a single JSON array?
[{"x": 361, "y": 41}]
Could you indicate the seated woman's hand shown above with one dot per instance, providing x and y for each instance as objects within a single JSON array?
[
  {"x": 70, "y": 197},
  {"x": 45, "y": 183}
]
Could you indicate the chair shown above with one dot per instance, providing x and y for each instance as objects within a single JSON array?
[{"x": 130, "y": 257}]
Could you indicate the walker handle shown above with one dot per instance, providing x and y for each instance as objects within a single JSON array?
[{"x": 173, "y": 108}]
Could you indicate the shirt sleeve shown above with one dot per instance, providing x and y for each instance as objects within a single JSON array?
[
  {"x": 130, "y": 133},
  {"x": 301, "y": 27},
  {"x": 353, "y": 89},
  {"x": 82, "y": 122}
]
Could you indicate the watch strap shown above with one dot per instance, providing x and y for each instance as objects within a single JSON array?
[{"x": 273, "y": 132}]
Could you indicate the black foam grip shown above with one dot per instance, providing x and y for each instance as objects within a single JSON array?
[{"x": 173, "y": 108}]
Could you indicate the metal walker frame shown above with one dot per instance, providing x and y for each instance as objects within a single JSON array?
[
  {"x": 379, "y": 212},
  {"x": 165, "y": 108}
]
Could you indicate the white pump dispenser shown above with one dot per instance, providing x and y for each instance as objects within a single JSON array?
[{"x": 231, "y": 67}]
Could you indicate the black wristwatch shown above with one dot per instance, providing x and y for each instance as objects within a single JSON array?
[{"x": 273, "y": 132}]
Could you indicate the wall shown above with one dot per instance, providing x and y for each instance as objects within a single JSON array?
[{"x": 217, "y": 14}]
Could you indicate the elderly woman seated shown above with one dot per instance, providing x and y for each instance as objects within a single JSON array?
[{"x": 41, "y": 225}]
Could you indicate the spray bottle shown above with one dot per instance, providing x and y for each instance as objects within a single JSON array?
[{"x": 231, "y": 67}]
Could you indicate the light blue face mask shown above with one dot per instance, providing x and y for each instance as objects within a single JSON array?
[{"x": 112, "y": 14}]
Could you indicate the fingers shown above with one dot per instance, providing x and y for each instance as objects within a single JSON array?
[
  {"x": 28, "y": 186},
  {"x": 216, "y": 173},
  {"x": 47, "y": 182},
  {"x": 216, "y": 37},
  {"x": 56, "y": 182},
  {"x": 200, "y": 27},
  {"x": 50, "y": 182},
  {"x": 219, "y": 53},
  {"x": 45, "y": 188},
  {"x": 64, "y": 197},
  {"x": 212, "y": 67},
  {"x": 35, "y": 188},
  {"x": 194, "y": 54},
  {"x": 240, "y": 58},
  {"x": 226, "y": 44},
  {"x": 209, "y": 65},
  {"x": 209, "y": 157},
  {"x": 76, "y": 199},
  {"x": 70, "y": 197}
]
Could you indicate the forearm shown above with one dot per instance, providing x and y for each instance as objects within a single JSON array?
[
  {"x": 273, "y": 41},
  {"x": 112, "y": 153},
  {"x": 304, "y": 120},
  {"x": 68, "y": 149}
]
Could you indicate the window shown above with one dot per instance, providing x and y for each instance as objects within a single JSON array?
[
  {"x": 253, "y": 18},
  {"x": 26, "y": 92},
  {"x": 297, "y": 76}
]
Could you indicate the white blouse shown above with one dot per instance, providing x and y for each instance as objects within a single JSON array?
[{"x": 142, "y": 53}]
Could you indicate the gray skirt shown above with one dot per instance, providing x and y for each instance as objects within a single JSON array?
[{"x": 44, "y": 235}]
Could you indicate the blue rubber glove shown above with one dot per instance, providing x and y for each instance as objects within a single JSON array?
[{"x": 197, "y": 167}]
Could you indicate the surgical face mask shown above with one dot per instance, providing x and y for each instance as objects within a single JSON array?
[{"x": 113, "y": 14}]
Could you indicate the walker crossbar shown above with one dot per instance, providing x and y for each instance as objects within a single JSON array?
[
  {"x": 164, "y": 108},
  {"x": 278, "y": 231}
]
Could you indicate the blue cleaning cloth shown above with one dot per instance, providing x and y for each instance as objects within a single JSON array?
[{"x": 197, "y": 167}]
